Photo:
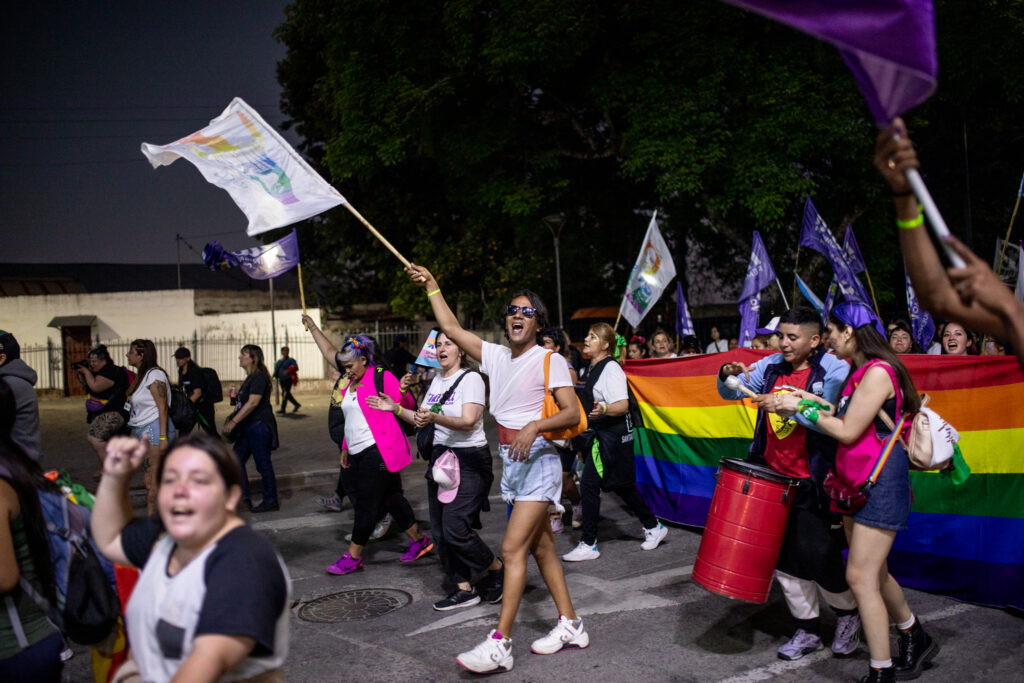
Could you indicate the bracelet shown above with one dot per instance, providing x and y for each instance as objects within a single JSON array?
[
  {"x": 604, "y": 408},
  {"x": 403, "y": 392},
  {"x": 163, "y": 438},
  {"x": 398, "y": 413},
  {"x": 913, "y": 222},
  {"x": 436, "y": 291}
]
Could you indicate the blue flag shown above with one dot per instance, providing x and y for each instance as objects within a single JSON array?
[
  {"x": 921, "y": 323},
  {"x": 259, "y": 263},
  {"x": 684, "y": 324},
  {"x": 812, "y": 299},
  {"x": 815, "y": 234},
  {"x": 830, "y": 299},
  {"x": 760, "y": 274},
  {"x": 852, "y": 252}
]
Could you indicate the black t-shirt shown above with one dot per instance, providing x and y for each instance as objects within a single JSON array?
[
  {"x": 115, "y": 396},
  {"x": 192, "y": 379},
  {"x": 258, "y": 384},
  {"x": 245, "y": 587}
]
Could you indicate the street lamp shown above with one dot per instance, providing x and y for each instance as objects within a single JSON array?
[{"x": 555, "y": 222}]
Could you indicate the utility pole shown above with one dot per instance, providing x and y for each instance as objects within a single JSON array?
[
  {"x": 177, "y": 249},
  {"x": 553, "y": 221}
]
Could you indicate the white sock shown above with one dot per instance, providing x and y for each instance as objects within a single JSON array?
[
  {"x": 881, "y": 663},
  {"x": 904, "y": 626}
]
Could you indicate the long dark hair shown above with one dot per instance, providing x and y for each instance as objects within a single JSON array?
[
  {"x": 147, "y": 350},
  {"x": 873, "y": 345},
  {"x": 256, "y": 353},
  {"x": 26, "y": 478}
]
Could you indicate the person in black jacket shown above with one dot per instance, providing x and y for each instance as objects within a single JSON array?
[
  {"x": 107, "y": 384},
  {"x": 192, "y": 380}
]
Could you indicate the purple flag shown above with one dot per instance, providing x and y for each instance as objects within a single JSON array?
[
  {"x": 684, "y": 324},
  {"x": 889, "y": 45},
  {"x": 760, "y": 274},
  {"x": 921, "y": 323},
  {"x": 830, "y": 298},
  {"x": 269, "y": 260},
  {"x": 852, "y": 252},
  {"x": 750, "y": 309},
  {"x": 815, "y": 234}
]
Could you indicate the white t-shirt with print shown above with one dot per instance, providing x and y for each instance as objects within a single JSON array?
[
  {"x": 517, "y": 384},
  {"x": 470, "y": 390},
  {"x": 144, "y": 408},
  {"x": 611, "y": 385}
]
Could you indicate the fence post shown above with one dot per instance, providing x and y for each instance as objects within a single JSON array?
[
  {"x": 49, "y": 361},
  {"x": 195, "y": 344}
]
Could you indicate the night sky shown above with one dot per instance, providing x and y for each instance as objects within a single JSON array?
[{"x": 84, "y": 84}]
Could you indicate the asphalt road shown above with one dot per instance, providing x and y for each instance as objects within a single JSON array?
[{"x": 646, "y": 618}]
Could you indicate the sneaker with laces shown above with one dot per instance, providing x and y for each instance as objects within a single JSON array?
[
  {"x": 459, "y": 598},
  {"x": 654, "y": 536},
  {"x": 346, "y": 564},
  {"x": 565, "y": 635},
  {"x": 417, "y": 549},
  {"x": 582, "y": 552},
  {"x": 493, "y": 655},
  {"x": 331, "y": 503},
  {"x": 381, "y": 528},
  {"x": 495, "y": 589},
  {"x": 802, "y": 643},
  {"x": 847, "y": 637}
]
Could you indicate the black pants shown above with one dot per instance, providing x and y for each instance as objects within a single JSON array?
[
  {"x": 377, "y": 490},
  {"x": 460, "y": 548},
  {"x": 811, "y": 548},
  {"x": 590, "y": 491},
  {"x": 205, "y": 418},
  {"x": 286, "y": 394}
]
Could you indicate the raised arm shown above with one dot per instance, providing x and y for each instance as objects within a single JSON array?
[
  {"x": 469, "y": 342},
  {"x": 328, "y": 349},
  {"x": 112, "y": 509}
]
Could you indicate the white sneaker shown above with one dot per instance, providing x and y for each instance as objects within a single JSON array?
[
  {"x": 847, "y": 637},
  {"x": 491, "y": 656},
  {"x": 563, "y": 635},
  {"x": 331, "y": 503},
  {"x": 582, "y": 552},
  {"x": 382, "y": 528},
  {"x": 654, "y": 537}
]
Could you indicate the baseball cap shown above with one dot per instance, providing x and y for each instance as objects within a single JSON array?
[
  {"x": 770, "y": 328},
  {"x": 446, "y": 475},
  {"x": 9, "y": 345},
  {"x": 182, "y": 352}
]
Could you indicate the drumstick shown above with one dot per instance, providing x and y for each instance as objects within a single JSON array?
[{"x": 734, "y": 383}]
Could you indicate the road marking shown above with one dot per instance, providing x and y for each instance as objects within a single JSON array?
[{"x": 781, "y": 666}]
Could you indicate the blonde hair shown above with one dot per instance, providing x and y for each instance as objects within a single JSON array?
[{"x": 606, "y": 334}]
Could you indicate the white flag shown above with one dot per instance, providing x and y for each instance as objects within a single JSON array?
[
  {"x": 653, "y": 271},
  {"x": 268, "y": 180}
]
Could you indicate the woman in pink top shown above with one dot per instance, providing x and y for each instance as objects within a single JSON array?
[
  {"x": 376, "y": 450},
  {"x": 878, "y": 382}
]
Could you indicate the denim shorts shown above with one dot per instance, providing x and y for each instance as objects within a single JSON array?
[
  {"x": 888, "y": 505},
  {"x": 538, "y": 478},
  {"x": 152, "y": 429}
]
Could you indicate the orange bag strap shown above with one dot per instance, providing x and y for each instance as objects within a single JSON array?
[{"x": 547, "y": 370}]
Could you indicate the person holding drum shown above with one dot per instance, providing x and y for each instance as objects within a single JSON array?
[
  {"x": 879, "y": 383},
  {"x": 812, "y": 547}
]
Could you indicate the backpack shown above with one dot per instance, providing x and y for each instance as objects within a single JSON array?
[
  {"x": 87, "y": 607},
  {"x": 181, "y": 411},
  {"x": 378, "y": 383},
  {"x": 211, "y": 385}
]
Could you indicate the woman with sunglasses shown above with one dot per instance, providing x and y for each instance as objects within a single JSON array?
[
  {"x": 376, "y": 450},
  {"x": 531, "y": 477},
  {"x": 878, "y": 382}
]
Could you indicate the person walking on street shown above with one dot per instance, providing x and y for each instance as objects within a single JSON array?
[
  {"x": 149, "y": 419},
  {"x": 253, "y": 428},
  {"x": 22, "y": 380},
  {"x": 531, "y": 477},
  {"x": 191, "y": 379},
  {"x": 286, "y": 372},
  {"x": 107, "y": 385}
]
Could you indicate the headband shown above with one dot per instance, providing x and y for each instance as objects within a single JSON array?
[{"x": 856, "y": 314}]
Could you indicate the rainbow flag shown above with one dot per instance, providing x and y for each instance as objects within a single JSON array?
[{"x": 962, "y": 541}]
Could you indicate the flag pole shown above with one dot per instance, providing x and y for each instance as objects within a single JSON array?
[
  {"x": 1006, "y": 240},
  {"x": 935, "y": 220},
  {"x": 784, "y": 302},
  {"x": 872, "y": 288},
  {"x": 376, "y": 234},
  {"x": 796, "y": 267},
  {"x": 302, "y": 294}
]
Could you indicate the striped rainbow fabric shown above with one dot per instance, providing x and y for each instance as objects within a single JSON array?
[{"x": 964, "y": 541}]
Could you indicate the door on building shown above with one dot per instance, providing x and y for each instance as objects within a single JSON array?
[{"x": 76, "y": 344}]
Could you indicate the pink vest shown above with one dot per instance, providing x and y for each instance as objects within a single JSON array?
[
  {"x": 387, "y": 433},
  {"x": 854, "y": 461}
]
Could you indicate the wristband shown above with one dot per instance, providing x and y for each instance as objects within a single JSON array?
[
  {"x": 913, "y": 222},
  {"x": 398, "y": 412},
  {"x": 436, "y": 291},
  {"x": 403, "y": 391},
  {"x": 604, "y": 408},
  {"x": 811, "y": 413},
  {"x": 163, "y": 438}
]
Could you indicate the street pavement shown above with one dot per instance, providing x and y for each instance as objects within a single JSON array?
[{"x": 646, "y": 618}]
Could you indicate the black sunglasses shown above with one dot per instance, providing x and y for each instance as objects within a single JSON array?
[{"x": 527, "y": 311}]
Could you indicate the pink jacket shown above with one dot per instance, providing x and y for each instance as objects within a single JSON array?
[{"x": 387, "y": 433}]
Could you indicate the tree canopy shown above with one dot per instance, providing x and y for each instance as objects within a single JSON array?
[{"x": 467, "y": 130}]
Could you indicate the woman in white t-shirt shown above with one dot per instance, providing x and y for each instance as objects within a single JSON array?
[
  {"x": 606, "y": 396},
  {"x": 149, "y": 417},
  {"x": 458, "y": 427},
  {"x": 531, "y": 476}
]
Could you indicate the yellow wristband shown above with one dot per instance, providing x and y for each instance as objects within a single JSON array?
[
  {"x": 604, "y": 408},
  {"x": 399, "y": 411},
  {"x": 436, "y": 291},
  {"x": 163, "y": 438},
  {"x": 913, "y": 222}
]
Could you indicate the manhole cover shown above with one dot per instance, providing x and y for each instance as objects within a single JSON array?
[{"x": 353, "y": 605}]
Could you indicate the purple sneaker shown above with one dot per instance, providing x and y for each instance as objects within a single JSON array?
[
  {"x": 346, "y": 564},
  {"x": 417, "y": 549}
]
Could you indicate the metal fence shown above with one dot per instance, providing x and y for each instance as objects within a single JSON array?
[{"x": 220, "y": 354}]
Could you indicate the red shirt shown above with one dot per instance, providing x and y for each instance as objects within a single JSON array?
[{"x": 786, "y": 447}]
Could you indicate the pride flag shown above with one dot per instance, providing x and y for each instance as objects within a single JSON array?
[{"x": 962, "y": 541}]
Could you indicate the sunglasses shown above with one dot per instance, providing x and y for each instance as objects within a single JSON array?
[{"x": 527, "y": 311}]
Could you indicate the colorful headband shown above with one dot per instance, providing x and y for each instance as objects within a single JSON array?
[
  {"x": 353, "y": 342},
  {"x": 855, "y": 314}
]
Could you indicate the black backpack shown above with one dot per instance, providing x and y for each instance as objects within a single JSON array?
[
  {"x": 211, "y": 385},
  {"x": 378, "y": 383},
  {"x": 181, "y": 411}
]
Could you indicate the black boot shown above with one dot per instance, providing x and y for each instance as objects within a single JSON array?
[
  {"x": 886, "y": 675},
  {"x": 915, "y": 648}
]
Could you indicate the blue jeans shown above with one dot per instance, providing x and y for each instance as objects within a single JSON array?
[{"x": 255, "y": 440}]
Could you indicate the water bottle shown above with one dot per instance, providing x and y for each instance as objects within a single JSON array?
[{"x": 233, "y": 396}]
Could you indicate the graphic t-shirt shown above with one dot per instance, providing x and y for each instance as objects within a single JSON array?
[
  {"x": 786, "y": 447},
  {"x": 470, "y": 390}
]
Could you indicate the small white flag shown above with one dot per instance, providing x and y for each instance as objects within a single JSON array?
[
  {"x": 240, "y": 153},
  {"x": 653, "y": 271}
]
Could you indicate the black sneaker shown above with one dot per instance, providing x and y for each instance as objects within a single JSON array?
[
  {"x": 459, "y": 598},
  {"x": 266, "y": 507},
  {"x": 495, "y": 585}
]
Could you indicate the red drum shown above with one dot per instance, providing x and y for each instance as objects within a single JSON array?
[{"x": 744, "y": 530}]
